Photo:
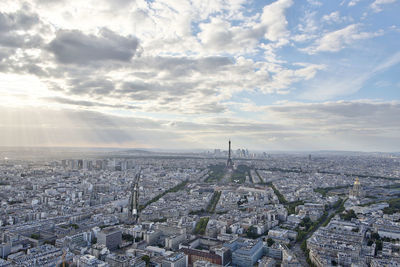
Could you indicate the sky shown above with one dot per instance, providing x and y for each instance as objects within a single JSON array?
[{"x": 191, "y": 74}]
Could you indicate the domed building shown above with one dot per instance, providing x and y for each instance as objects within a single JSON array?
[{"x": 356, "y": 192}]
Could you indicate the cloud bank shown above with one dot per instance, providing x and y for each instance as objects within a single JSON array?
[{"x": 270, "y": 74}]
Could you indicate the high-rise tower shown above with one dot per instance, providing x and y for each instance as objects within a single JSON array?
[{"x": 229, "y": 163}]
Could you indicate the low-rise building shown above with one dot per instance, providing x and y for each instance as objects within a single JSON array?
[
  {"x": 245, "y": 252},
  {"x": 178, "y": 259},
  {"x": 90, "y": 261}
]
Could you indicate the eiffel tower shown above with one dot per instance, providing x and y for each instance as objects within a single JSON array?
[
  {"x": 133, "y": 208},
  {"x": 229, "y": 163}
]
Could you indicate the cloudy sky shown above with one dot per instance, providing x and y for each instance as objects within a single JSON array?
[{"x": 182, "y": 74}]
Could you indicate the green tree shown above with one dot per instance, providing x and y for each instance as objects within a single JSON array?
[
  {"x": 252, "y": 232},
  {"x": 74, "y": 225},
  {"x": 146, "y": 259},
  {"x": 347, "y": 216},
  {"x": 375, "y": 236},
  {"x": 270, "y": 242},
  {"x": 378, "y": 246},
  {"x": 127, "y": 237},
  {"x": 201, "y": 226},
  {"x": 35, "y": 236}
]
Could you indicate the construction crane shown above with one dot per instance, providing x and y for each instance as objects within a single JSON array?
[
  {"x": 63, "y": 258},
  {"x": 62, "y": 261}
]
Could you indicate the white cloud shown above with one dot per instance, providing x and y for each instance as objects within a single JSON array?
[
  {"x": 219, "y": 35},
  {"x": 166, "y": 68},
  {"x": 345, "y": 81},
  {"x": 314, "y": 2},
  {"x": 389, "y": 62},
  {"x": 353, "y": 2},
  {"x": 333, "y": 17},
  {"x": 376, "y": 6},
  {"x": 182, "y": 60},
  {"x": 308, "y": 27},
  {"x": 339, "y": 39},
  {"x": 309, "y": 71},
  {"x": 273, "y": 18}
]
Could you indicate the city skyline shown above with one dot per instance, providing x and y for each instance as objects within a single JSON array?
[
  {"x": 271, "y": 75},
  {"x": 153, "y": 209}
]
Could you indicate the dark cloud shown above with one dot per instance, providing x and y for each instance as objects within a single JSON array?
[
  {"x": 239, "y": 126},
  {"x": 182, "y": 97},
  {"x": 19, "y": 20},
  {"x": 49, "y": 2},
  {"x": 144, "y": 75},
  {"x": 75, "y": 47},
  {"x": 171, "y": 82},
  {"x": 183, "y": 66},
  {"x": 16, "y": 36},
  {"x": 212, "y": 107},
  {"x": 90, "y": 86},
  {"x": 14, "y": 27},
  {"x": 192, "y": 107},
  {"x": 21, "y": 64},
  {"x": 344, "y": 116},
  {"x": 168, "y": 88},
  {"x": 120, "y": 3},
  {"x": 85, "y": 103},
  {"x": 17, "y": 40}
]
